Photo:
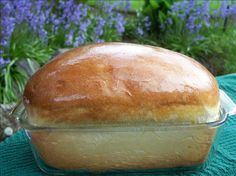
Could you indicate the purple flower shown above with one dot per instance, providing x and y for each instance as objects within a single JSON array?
[
  {"x": 205, "y": 11},
  {"x": 233, "y": 9},
  {"x": 169, "y": 21},
  {"x": 99, "y": 28},
  {"x": 36, "y": 14},
  {"x": 191, "y": 4},
  {"x": 4, "y": 62},
  {"x": 110, "y": 21},
  {"x": 227, "y": 8},
  {"x": 190, "y": 23},
  {"x": 44, "y": 17},
  {"x": 194, "y": 14},
  {"x": 43, "y": 34},
  {"x": 76, "y": 14},
  {"x": 162, "y": 26},
  {"x": 84, "y": 10},
  {"x": 8, "y": 24},
  {"x": 115, "y": 19},
  {"x": 120, "y": 23},
  {"x": 7, "y": 8},
  {"x": 84, "y": 25},
  {"x": 79, "y": 40},
  {"x": 127, "y": 5},
  {"x": 147, "y": 22},
  {"x": 198, "y": 26},
  {"x": 224, "y": 8},
  {"x": 98, "y": 40},
  {"x": 22, "y": 10},
  {"x": 55, "y": 22},
  {"x": 139, "y": 31},
  {"x": 108, "y": 7},
  {"x": 199, "y": 38},
  {"x": 69, "y": 38},
  {"x": 179, "y": 6}
]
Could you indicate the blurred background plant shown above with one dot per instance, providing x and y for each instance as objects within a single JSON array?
[
  {"x": 202, "y": 29},
  {"x": 33, "y": 31}
]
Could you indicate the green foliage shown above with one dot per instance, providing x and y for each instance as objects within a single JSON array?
[
  {"x": 132, "y": 24},
  {"x": 11, "y": 77},
  {"x": 213, "y": 45},
  {"x": 216, "y": 51},
  {"x": 223, "y": 47},
  {"x": 157, "y": 10},
  {"x": 24, "y": 46},
  {"x": 137, "y": 4}
]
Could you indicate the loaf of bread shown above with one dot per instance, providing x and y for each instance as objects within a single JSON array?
[
  {"x": 127, "y": 85},
  {"x": 121, "y": 83}
]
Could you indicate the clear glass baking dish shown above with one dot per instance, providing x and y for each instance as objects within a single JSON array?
[{"x": 142, "y": 148}]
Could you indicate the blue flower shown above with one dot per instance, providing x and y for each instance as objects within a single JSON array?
[
  {"x": 199, "y": 38},
  {"x": 98, "y": 40},
  {"x": 194, "y": 14},
  {"x": 7, "y": 22},
  {"x": 205, "y": 11},
  {"x": 191, "y": 4},
  {"x": 227, "y": 8},
  {"x": 4, "y": 62},
  {"x": 44, "y": 17},
  {"x": 99, "y": 28},
  {"x": 79, "y": 40},
  {"x": 69, "y": 38},
  {"x": 147, "y": 22},
  {"x": 22, "y": 10},
  {"x": 127, "y": 5},
  {"x": 84, "y": 10},
  {"x": 84, "y": 25},
  {"x": 55, "y": 21},
  {"x": 169, "y": 21},
  {"x": 9, "y": 25},
  {"x": 76, "y": 14},
  {"x": 107, "y": 7},
  {"x": 179, "y": 6},
  {"x": 162, "y": 26},
  {"x": 43, "y": 34},
  {"x": 7, "y": 8},
  {"x": 120, "y": 23},
  {"x": 224, "y": 10},
  {"x": 139, "y": 31}
]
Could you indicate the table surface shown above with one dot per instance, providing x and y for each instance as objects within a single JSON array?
[{"x": 16, "y": 157}]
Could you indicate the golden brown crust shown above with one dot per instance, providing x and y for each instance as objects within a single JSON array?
[{"x": 115, "y": 82}]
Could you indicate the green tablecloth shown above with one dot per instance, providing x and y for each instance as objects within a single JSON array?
[{"x": 16, "y": 157}]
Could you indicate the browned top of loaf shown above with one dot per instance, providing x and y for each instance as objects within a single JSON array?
[{"x": 115, "y": 82}]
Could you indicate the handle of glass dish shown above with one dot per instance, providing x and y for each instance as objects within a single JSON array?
[
  {"x": 233, "y": 112},
  {"x": 17, "y": 110},
  {"x": 227, "y": 103}
]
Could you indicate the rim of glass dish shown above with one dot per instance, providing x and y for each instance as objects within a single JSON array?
[{"x": 20, "y": 115}]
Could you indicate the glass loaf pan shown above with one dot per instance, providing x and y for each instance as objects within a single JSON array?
[{"x": 143, "y": 148}]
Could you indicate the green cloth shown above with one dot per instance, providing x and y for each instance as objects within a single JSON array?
[{"x": 16, "y": 157}]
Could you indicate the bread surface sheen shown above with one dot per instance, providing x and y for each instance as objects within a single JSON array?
[{"x": 121, "y": 82}]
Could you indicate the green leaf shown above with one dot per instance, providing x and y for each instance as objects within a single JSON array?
[
  {"x": 167, "y": 4},
  {"x": 154, "y": 4},
  {"x": 147, "y": 10},
  {"x": 161, "y": 16}
]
